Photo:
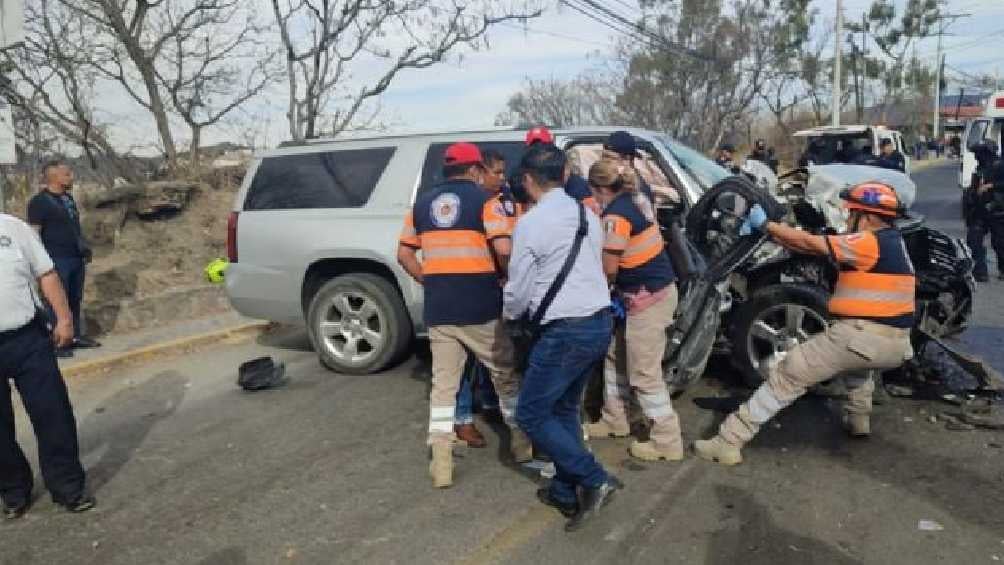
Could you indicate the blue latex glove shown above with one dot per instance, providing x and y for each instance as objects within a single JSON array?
[
  {"x": 755, "y": 220},
  {"x": 618, "y": 308}
]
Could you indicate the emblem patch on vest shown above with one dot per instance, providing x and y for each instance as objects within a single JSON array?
[{"x": 445, "y": 209}]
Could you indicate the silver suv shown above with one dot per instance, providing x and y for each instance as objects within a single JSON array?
[{"x": 313, "y": 234}]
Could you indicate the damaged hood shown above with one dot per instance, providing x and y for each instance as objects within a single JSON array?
[{"x": 826, "y": 182}]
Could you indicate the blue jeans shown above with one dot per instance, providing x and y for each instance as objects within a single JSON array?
[
  {"x": 550, "y": 395},
  {"x": 71, "y": 273},
  {"x": 474, "y": 385}
]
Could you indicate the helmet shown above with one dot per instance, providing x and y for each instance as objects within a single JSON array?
[
  {"x": 874, "y": 198},
  {"x": 215, "y": 270},
  {"x": 539, "y": 134}
]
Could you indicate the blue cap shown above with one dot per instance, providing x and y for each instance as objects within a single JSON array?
[{"x": 622, "y": 142}]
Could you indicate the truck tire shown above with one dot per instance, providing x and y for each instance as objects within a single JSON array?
[
  {"x": 358, "y": 324},
  {"x": 774, "y": 319}
]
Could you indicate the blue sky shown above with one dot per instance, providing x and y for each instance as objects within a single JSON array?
[{"x": 468, "y": 91}]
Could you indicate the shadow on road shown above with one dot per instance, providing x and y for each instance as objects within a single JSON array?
[{"x": 120, "y": 426}]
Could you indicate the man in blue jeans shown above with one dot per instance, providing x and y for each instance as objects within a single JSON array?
[
  {"x": 575, "y": 335},
  {"x": 54, "y": 215}
]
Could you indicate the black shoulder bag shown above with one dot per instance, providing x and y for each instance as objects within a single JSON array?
[{"x": 527, "y": 329}]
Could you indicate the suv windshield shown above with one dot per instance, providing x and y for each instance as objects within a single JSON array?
[{"x": 704, "y": 171}]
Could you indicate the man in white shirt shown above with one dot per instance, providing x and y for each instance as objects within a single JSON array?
[
  {"x": 28, "y": 358},
  {"x": 575, "y": 334}
]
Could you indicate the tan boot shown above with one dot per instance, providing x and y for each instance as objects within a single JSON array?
[
  {"x": 718, "y": 450},
  {"x": 649, "y": 451},
  {"x": 604, "y": 430},
  {"x": 858, "y": 425},
  {"x": 520, "y": 446},
  {"x": 441, "y": 467}
]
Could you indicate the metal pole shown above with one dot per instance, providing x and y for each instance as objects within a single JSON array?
[
  {"x": 836, "y": 63},
  {"x": 937, "y": 83}
]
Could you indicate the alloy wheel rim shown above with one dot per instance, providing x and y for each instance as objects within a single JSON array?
[
  {"x": 777, "y": 330},
  {"x": 352, "y": 328}
]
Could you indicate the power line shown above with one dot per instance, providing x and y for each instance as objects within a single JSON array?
[
  {"x": 553, "y": 34},
  {"x": 645, "y": 31}
]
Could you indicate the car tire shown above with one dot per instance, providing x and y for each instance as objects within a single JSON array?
[
  {"x": 781, "y": 308},
  {"x": 358, "y": 324}
]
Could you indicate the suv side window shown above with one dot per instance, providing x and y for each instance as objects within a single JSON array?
[
  {"x": 327, "y": 179},
  {"x": 976, "y": 133},
  {"x": 432, "y": 171}
]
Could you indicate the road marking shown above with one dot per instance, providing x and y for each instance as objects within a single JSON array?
[{"x": 525, "y": 527}]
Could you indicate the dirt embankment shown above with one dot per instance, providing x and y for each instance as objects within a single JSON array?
[{"x": 151, "y": 243}]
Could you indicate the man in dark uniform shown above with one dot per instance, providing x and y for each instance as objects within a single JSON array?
[
  {"x": 891, "y": 158},
  {"x": 983, "y": 208},
  {"x": 53, "y": 213},
  {"x": 26, "y": 356},
  {"x": 726, "y": 158}
]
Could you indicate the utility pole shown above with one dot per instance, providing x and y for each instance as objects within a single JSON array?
[
  {"x": 836, "y": 62},
  {"x": 939, "y": 70}
]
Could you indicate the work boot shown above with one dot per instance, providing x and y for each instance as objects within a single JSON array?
[
  {"x": 858, "y": 425},
  {"x": 441, "y": 467},
  {"x": 82, "y": 503},
  {"x": 604, "y": 430},
  {"x": 592, "y": 500},
  {"x": 470, "y": 435},
  {"x": 649, "y": 451},
  {"x": 15, "y": 511},
  {"x": 520, "y": 446},
  {"x": 718, "y": 450}
]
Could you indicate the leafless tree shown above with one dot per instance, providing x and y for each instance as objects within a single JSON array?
[
  {"x": 588, "y": 99},
  {"x": 325, "y": 40},
  {"x": 189, "y": 57}
]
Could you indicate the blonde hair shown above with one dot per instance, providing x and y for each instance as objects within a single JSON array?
[{"x": 619, "y": 177}]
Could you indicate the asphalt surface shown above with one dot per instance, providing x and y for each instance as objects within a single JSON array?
[{"x": 333, "y": 468}]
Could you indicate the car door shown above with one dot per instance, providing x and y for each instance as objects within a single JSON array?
[{"x": 976, "y": 132}]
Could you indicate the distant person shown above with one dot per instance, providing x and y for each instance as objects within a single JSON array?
[
  {"x": 26, "y": 357},
  {"x": 726, "y": 158},
  {"x": 759, "y": 152},
  {"x": 845, "y": 153},
  {"x": 54, "y": 214},
  {"x": 813, "y": 153},
  {"x": 956, "y": 144},
  {"x": 890, "y": 157}
]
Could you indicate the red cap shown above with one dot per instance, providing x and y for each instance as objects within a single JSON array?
[
  {"x": 539, "y": 133},
  {"x": 462, "y": 153}
]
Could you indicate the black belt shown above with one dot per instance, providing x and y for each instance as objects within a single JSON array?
[
  {"x": 18, "y": 332},
  {"x": 577, "y": 319}
]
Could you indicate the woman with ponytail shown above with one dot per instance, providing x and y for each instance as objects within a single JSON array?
[{"x": 642, "y": 276}]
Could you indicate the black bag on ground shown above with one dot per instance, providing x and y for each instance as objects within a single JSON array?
[
  {"x": 525, "y": 331},
  {"x": 260, "y": 374}
]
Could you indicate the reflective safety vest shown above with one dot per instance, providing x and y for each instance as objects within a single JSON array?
[
  {"x": 876, "y": 281},
  {"x": 638, "y": 241},
  {"x": 447, "y": 224},
  {"x": 500, "y": 215}
]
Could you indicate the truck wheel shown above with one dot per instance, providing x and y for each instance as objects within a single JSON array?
[
  {"x": 771, "y": 322},
  {"x": 358, "y": 324}
]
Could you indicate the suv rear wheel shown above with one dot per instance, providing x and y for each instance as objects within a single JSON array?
[
  {"x": 358, "y": 324},
  {"x": 771, "y": 322}
]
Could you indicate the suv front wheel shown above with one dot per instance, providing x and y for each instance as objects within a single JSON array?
[{"x": 358, "y": 324}]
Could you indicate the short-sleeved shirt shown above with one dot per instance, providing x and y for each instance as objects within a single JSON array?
[
  {"x": 22, "y": 261},
  {"x": 639, "y": 243},
  {"x": 500, "y": 214},
  {"x": 59, "y": 219},
  {"x": 447, "y": 224},
  {"x": 876, "y": 280}
]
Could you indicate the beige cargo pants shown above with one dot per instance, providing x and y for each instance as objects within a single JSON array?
[
  {"x": 634, "y": 364},
  {"x": 491, "y": 345},
  {"x": 848, "y": 348}
]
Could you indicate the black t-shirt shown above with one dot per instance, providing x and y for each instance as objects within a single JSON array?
[{"x": 60, "y": 222}]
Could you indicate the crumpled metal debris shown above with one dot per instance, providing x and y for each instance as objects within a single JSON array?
[{"x": 954, "y": 371}]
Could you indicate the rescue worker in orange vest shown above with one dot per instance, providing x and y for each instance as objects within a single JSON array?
[
  {"x": 873, "y": 304},
  {"x": 636, "y": 263},
  {"x": 463, "y": 300}
]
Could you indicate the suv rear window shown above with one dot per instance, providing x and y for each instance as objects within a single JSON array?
[
  {"x": 328, "y": 179},
  {"x": 432, "y": 171}
]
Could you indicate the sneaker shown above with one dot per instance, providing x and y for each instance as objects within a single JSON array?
[
  {"x": 15, "y": 512},
  {"x": 858, "y": 425},
  {"x": 441, "y": 466},
  {"x": 718, "y": 450},
  {"x": 82, "y": 503},
  {"x": 648, "y": 451},
  {"x": 604, "y": 430},
  {"x": 85, "y": 343}
]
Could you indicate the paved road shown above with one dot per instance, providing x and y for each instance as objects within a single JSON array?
[{"x": 189, "y": 469}]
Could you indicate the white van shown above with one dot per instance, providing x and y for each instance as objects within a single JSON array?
[{"x": 989, "y": 127}]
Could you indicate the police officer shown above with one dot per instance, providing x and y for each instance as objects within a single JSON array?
[
  {"x": 27, "y": 357},
  {"x": 759, "y": 152},
  {"x": 636, "y": 263},
  {"x": 873, "y": 304},
  {"x": 463, "y": 299},
  {"x": 983, "y": 208},
  {"x": 726, "y": 158},
  {"x": 891, "y": 158}
]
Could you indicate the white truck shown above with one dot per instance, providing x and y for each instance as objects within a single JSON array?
[
  {"x": 989, "y": 127},
  {"x": 848, "y": 144}
]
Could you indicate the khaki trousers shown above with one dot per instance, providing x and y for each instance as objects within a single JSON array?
[
  {"x": 491, "y": 345},
  {"x": 634, "y": 364},
  {"x": 851, "y": 349}
]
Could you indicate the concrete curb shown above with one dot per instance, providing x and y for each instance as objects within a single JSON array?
[{"x": 118, "y": 360}]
